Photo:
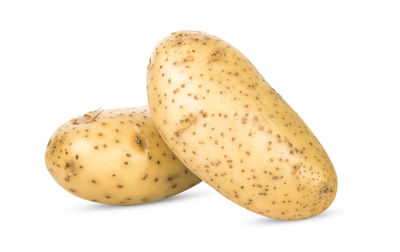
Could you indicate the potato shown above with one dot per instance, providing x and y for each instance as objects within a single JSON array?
[
  {"x": 115, "y": 157},
  {"x": 234, "y": 131}
]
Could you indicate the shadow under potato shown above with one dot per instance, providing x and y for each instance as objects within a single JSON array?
[
  {"x": 265, "y": 221},
  {"x": 178, "y": 197}
]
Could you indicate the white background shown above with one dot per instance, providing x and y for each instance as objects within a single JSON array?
[{"x": 336, "y": 62}]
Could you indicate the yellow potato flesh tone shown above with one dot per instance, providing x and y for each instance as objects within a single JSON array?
[
  {"x": 115, "y": 157},
  {"x": 234, "y": 131}
]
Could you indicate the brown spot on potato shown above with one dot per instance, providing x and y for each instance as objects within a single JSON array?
[
  {"x": 216, "y": 55},
  {"x": 324, "y": 189},
  {"x": 185, "y": 123}
]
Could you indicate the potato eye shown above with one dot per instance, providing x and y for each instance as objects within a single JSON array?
[{"x": 138, "y": 141}]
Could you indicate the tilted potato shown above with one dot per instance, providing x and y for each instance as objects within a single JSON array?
[
  {"x": 230, "y": 128},
  {"x": 115, "y": 157}
]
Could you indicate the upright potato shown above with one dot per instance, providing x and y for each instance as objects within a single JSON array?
[
  {"x": 230, "y": 128},
  {"x": 115, "y": 157}
]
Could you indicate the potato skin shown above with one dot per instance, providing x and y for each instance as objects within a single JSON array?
[
  {"x": 234, "y": 131},
  {"x": 115, "y": 157}
]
